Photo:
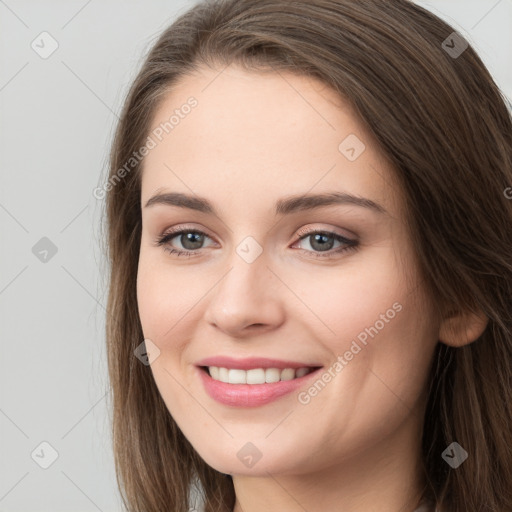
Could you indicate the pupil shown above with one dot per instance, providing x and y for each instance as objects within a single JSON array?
[
  {"x": 323, "y": 246},
  {"x": 189, "y": 238}
]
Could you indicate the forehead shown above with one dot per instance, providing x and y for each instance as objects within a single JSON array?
[{"x": 253, "y": 135}]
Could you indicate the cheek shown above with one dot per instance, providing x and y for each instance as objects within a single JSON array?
[
  {"x": 166, "y": 297},
  {"x": 375, "y": 316},
  {"x": 150, "y": 295},
  {"x": 342, "y": 302}
]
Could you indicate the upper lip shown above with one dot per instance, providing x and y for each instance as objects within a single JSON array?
[{"x": 250, "y": 363}]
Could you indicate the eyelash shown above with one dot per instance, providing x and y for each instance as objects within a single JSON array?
[{"x": 303, "y": 234}]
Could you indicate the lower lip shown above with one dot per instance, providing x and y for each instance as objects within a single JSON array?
[{"x": 250, "y": 395}]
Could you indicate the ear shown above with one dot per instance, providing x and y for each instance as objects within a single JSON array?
[{"x": 459, "y": 329}]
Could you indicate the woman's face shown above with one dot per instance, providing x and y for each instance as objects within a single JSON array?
[{"x": 262, "y": 282}]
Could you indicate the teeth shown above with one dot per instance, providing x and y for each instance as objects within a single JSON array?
[
  {"x": 256, "y": 375},
  {"x": 301, "y": 372}
]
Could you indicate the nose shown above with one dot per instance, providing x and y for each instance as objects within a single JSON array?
[{"x": 248, "y": 297}]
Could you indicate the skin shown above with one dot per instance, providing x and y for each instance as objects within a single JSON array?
[{"x": 255, "y": 138}]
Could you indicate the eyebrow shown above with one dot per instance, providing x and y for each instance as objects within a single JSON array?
[{"x": 283, "y": 206}]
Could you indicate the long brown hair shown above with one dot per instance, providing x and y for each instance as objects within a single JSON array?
[{"x": 444, "y": 124}]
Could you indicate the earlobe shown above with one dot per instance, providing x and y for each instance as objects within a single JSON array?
[{"x": 459, "y": 329}]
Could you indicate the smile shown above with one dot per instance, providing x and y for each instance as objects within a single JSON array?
[
  {"x": 254, "y": 391},
  {"x": 256, "y": 375}
]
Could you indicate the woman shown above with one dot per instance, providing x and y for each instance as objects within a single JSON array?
[{"x": 310, "y": 241}]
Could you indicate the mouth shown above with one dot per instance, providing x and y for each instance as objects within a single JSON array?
[
  {"x": 255, "y": 386},
  {"x": 256, "y": 375}
]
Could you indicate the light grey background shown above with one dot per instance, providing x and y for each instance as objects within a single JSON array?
[{"x": 57, "y": 116}]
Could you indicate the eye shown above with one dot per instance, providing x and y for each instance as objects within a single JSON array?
[
  {"x": 322, "y": 242},
  {"x": 190, "y": 239}
]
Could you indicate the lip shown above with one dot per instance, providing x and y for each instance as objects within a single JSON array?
[
  {"x": 251, "y": 395},
  {"x": 250, "y": 363}
]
